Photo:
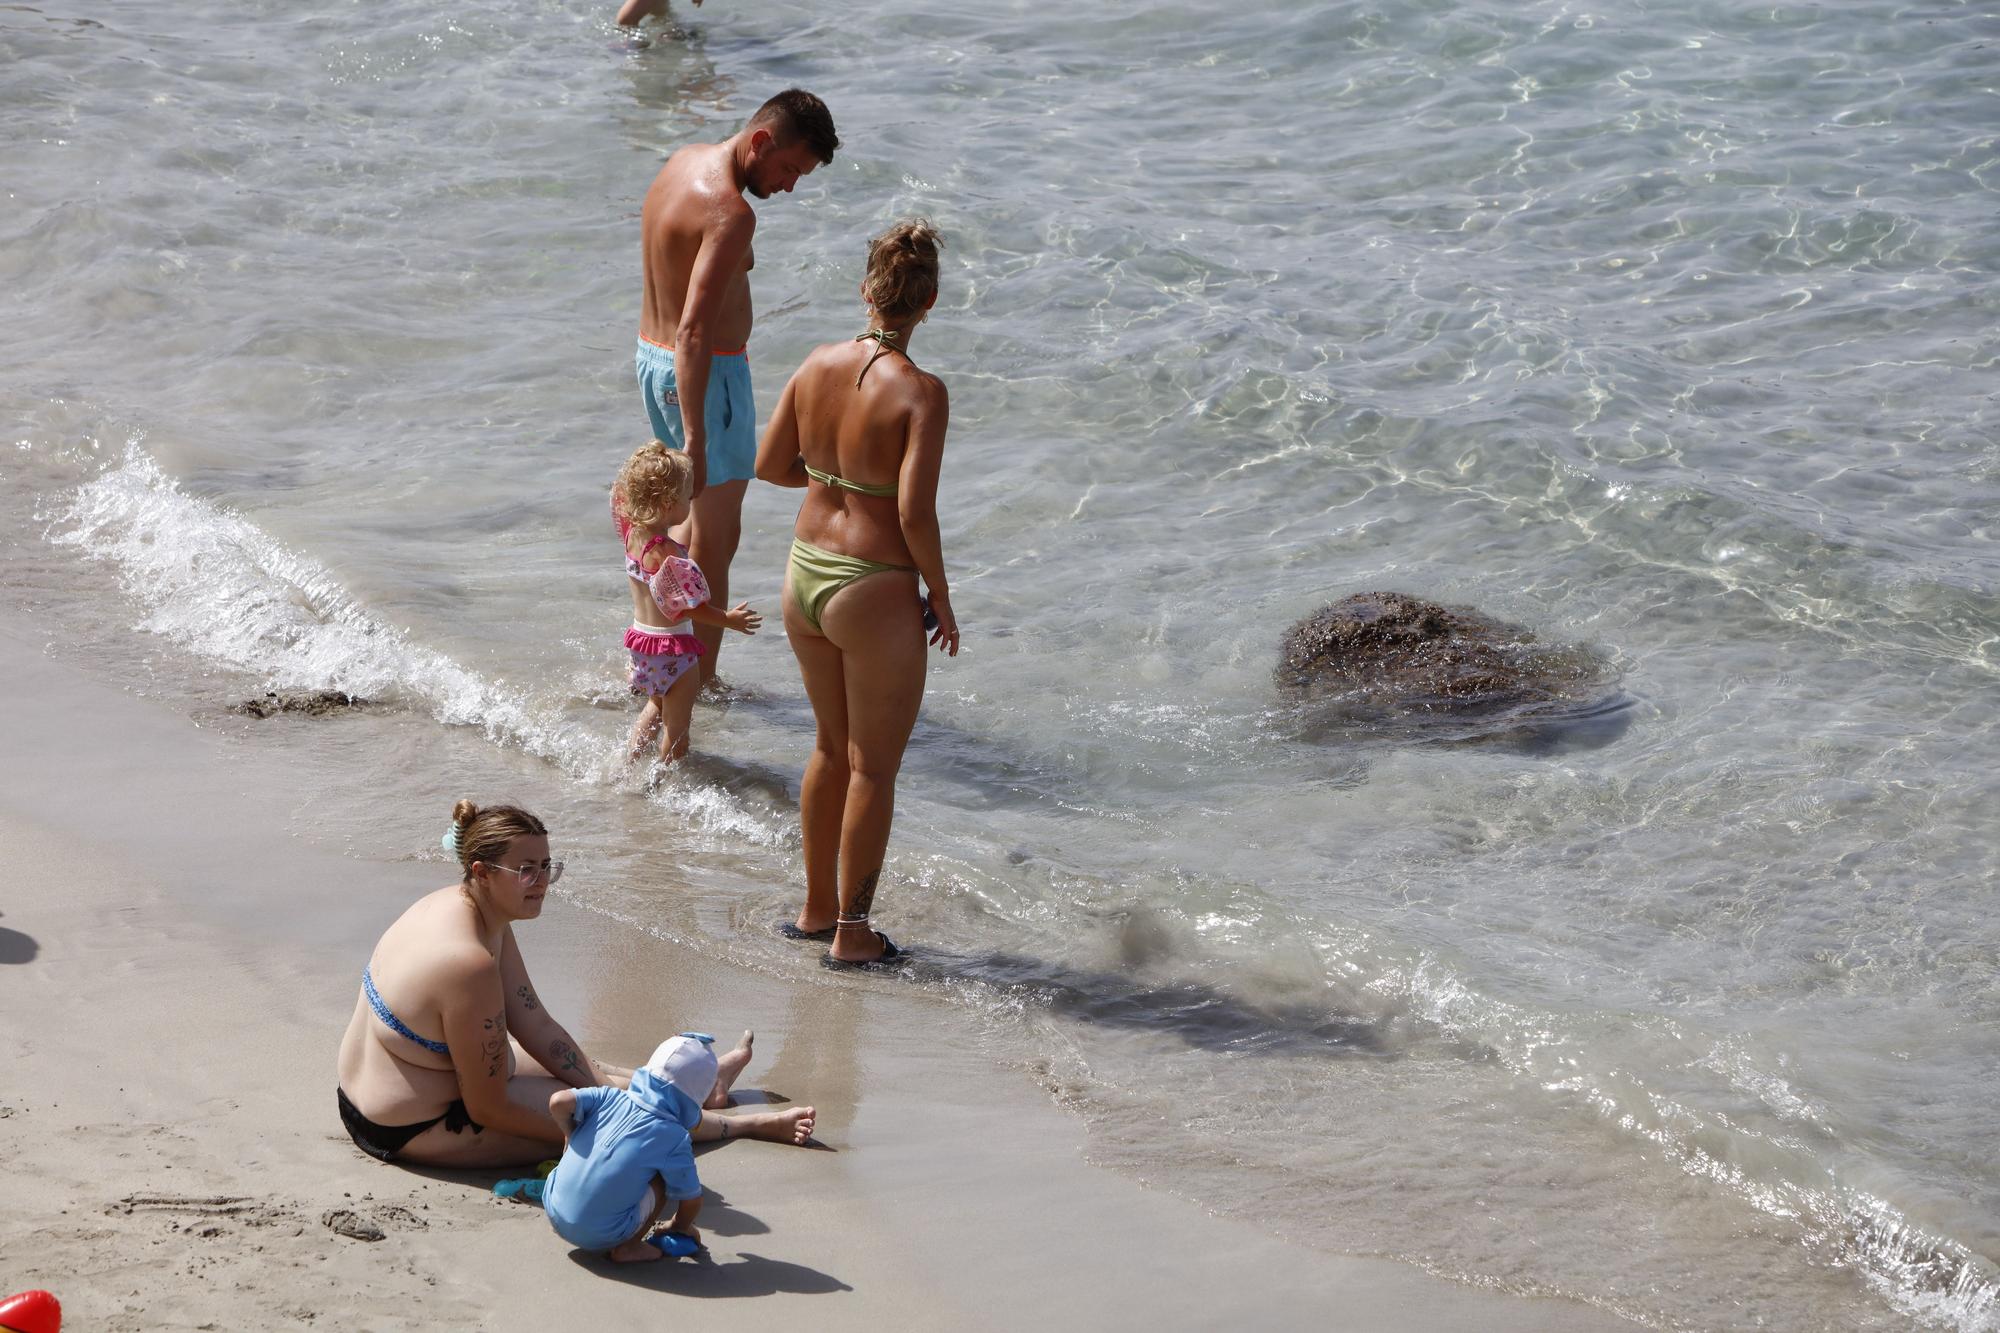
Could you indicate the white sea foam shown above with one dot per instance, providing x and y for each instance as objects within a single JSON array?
[
  {"x": 211, "y": 581},
  {"x": 1927, "y": 1276},
  {"x": 216, "y": 584}
]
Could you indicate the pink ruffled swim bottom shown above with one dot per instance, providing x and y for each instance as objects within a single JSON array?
[{"x": 658, "y": 660}]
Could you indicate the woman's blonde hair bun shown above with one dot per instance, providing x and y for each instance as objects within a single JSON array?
[{"x": 903, "y": 269}]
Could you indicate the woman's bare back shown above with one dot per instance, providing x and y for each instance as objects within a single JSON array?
[{"x": 862, "y": 435}]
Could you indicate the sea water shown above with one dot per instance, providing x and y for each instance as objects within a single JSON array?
[{"x": 1661, "y": 327}]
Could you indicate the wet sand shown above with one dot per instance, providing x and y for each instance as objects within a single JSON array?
[{"x": 175, "y": 971}]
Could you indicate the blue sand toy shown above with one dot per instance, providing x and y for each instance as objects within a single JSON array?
[{"x": 674, "y": 1245}]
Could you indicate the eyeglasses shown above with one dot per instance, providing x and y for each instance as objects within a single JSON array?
[{"x": 550, "y": 871}]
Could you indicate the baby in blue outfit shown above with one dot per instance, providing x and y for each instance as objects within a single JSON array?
[{"x": 627, "y": 1155}]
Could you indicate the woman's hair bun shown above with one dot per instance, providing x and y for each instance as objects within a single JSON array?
[
  {"x": 481, "y": 833},
  {"x": 902, "y": 276}
]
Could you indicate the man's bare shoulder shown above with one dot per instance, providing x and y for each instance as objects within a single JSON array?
[
  {"x": 687, "y": 158},
  {"x": 696, "y": 183}
]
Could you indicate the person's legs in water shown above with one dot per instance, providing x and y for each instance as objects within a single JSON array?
[
  {"x": 634, "y": 1249},
  {"x": 713, "y": 529},
  {"x": 877, "y": 623},
  {"x": 644, "y": 729},
  {"x": 632, "y": 12},
  {"x": 823, "y": 794},
  {"x": 677, "y": 716}
]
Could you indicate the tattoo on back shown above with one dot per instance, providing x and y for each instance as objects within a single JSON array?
[{"x": 864, "y": 897}]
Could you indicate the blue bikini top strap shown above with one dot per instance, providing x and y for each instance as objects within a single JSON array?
[{"x": 389, "y": 1019}]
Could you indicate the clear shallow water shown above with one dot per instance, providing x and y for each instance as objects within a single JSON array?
[{"x": 1666, "y": 329}]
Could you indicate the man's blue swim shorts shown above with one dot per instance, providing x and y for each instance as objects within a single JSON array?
[{"x": 731, "y": 414}]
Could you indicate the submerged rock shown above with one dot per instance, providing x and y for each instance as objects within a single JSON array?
[
  {"x": 1386, "y": 661},
  {"x": 313, "y": 703}
]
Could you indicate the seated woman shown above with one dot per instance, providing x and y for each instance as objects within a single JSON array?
[
  {"x": 450, "y": 1058},
  {"x": 866, "y": 441}
]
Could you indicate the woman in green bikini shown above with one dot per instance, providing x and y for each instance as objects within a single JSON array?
[{"x": 861, "y": 428}]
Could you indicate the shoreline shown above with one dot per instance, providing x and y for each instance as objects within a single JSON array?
[{"x": 175, "y": 982}]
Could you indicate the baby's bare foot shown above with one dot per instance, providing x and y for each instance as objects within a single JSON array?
[{"x": 634, "y": 1252}]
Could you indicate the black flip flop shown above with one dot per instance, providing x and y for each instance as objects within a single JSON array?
[
  {"x": 791, "y": 931},
  {"x": 891, "y": 957}
]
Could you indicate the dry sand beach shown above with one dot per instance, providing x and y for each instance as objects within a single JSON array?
[{"x": 175, "y": 970}]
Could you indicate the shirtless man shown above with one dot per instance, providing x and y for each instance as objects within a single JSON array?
[{"x": 693, "y": 368}]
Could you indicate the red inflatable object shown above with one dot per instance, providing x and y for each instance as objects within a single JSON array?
[{"x": 31, "y": 1312}]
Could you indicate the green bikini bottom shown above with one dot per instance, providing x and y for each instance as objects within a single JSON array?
[{"x": 818, "y": 575}]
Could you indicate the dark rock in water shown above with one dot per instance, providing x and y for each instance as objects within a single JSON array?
[
  {"x": 313, "y": 703},
  {"x": 1386, "y": 661}
]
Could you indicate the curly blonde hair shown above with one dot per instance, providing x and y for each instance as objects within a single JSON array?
[
  {"x": 903, "y": 269},
  {"x": 653, "y": 483}
]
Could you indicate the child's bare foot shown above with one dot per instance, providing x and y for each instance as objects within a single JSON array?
[
  {"x": 727, "y": 1067},
  {"x": 634, "y": 1252},
  {"x": 643, "y": 732}
]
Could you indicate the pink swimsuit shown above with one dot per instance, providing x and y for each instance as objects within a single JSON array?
[{"x": 660, "y": 658}]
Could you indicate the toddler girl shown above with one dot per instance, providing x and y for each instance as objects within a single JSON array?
[{"x": 650, "y": 496}]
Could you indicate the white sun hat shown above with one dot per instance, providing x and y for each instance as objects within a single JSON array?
[{"x": 686, "y": 1062}]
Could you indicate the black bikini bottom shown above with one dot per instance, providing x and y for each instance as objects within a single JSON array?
[{"x": 385, "y": 1141}]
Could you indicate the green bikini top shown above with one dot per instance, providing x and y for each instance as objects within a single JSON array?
[
  {"x": 884, "y": 340},
  {"x": 842, "y": 483}
]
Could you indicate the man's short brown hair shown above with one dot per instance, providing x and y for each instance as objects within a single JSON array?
[{"x": 795, "y": 115}]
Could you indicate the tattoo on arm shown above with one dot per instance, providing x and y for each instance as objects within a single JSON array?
[
  {"x": 864, "y": 897},
  {"x": 494, "y": 1045},
  {"x": 527, "y": 994},
  {"x": 568, "y": 1059}
]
